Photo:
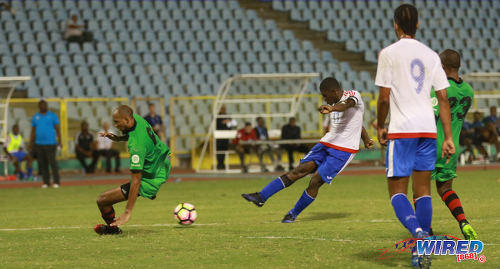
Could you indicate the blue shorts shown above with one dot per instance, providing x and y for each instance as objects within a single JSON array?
[
  {"x": 330, "y": 161},
  {"x": 19, "y": 155},
  {"x": 405, "y": 155}
]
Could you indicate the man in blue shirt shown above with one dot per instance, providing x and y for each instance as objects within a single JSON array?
[
  {"x": 45, "y": 127},
  {"x": 155, "y": 121}
]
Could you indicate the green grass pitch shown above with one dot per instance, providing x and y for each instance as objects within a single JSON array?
[{"x": 344, "y": 228}]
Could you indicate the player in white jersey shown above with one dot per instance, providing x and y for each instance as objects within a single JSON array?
[
  {"x": 331, "y": 155},
  {"x": 406, "y": 72}
]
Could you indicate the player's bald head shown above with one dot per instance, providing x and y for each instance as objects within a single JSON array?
[
  {"x": 329, "y": 84},
  {"x": 124, "y": 111},
  {"x": 450, "y": 59}
]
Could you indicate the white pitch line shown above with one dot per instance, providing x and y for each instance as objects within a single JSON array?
[
  {"x": 299, "y": 238},
  {"x": 85, "y": 227}
]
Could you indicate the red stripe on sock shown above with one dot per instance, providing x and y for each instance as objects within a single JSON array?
[
  {"x": 448, "y": 193},
  {"x": 454, "y": 204},
  {"x": 460, "y": 217}
]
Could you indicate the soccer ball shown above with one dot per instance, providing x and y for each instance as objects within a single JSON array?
[{"x": 185, "y": 213}]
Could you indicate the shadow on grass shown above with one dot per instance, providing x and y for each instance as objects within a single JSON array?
[
  {"x": 325, "y": 215},
  {"x": 373, "y": 256},
  {"x": 184, "y": 227}
]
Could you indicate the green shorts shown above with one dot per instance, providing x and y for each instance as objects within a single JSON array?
[
  {"x": 443, "y": 174},
  {"x": 150, "y": 186}
]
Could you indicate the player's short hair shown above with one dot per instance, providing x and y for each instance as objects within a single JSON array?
[
  {"x": 450, "y": 59},
  {"x": 247, "y": 124},
  {"x": 15, "y": 125},
  {"x": 259, "y": 118},
  {"x": 406, "y": 17},
  {"x": 329, "y": 84},
  {"x": 125, "y": 110}
]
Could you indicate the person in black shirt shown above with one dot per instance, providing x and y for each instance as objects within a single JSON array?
[
  {"x": 292, "y": 131},
  {"x": 223, "y": 144},
  {"x": 84, "y": 141}
]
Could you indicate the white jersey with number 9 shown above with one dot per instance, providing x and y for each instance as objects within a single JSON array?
[{"x": 410, "y": 69}]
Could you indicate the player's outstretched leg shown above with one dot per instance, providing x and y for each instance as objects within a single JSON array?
[
  {"x": 105, "y": 202},
  {"x": 308, "y": 196},
  {"x": 450, "y": 198},
  {"x": 259, "y": 198}
]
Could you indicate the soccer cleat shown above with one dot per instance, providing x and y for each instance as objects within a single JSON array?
[
  {"x": 102, "y": 229},
  {"x": 254, "y": 198},
  {"x": 468, "y": 231},
  {"x": 423, "y": 261},
  {"x": 44, "y": 186},
  {"x": 289, "y": 218}
]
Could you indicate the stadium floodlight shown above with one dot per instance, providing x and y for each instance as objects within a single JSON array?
[
  {"x": 7, "y": 87},
  {"x": 286, "y": 89}
]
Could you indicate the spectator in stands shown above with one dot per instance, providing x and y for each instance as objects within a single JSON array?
[
  {"x": 493, "y": 119},
  {"x": 84, "y": 148},
  {"x": 4, "y": 6},
  {"x": 155, "y": 121},
  {"x": 104, "y": 148},
  {"x": 246, "y": 134},
  {"x": 292, "y": 131},
  {"x": 43, "y": 142},
  {"x": 14, "y": 146},
  {"x": 223, "y": 123},
  {"x": 485, "y": 133},
  {"x": 262, "y": 134},
  {"x": 75, "y": 32}
]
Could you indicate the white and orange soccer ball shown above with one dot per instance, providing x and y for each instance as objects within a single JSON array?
[{"x": 185, "y": 213}]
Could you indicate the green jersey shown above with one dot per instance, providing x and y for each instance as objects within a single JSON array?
[
  {"x": 460, "y": 95},
  {"x": 148, "y": 155}
]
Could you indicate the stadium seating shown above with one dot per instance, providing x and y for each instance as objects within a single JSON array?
[
  {"x": 176, "y": 48},
  {"x": 470, "y": 27}
]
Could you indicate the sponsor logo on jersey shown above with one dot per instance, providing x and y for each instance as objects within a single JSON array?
[{"x": 135, "y": 158}]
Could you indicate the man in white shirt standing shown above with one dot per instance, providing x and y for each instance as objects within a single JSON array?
[
  {"x": 104, "y": 148},
  {"x": 406, "y": 72}
]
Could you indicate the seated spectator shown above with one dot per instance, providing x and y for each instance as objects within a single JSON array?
[
  {"x": 292, "y": 131},
  {"x": 5, "y": 6},
  {"x": 262, "y": 134},
  {"x": 493, "y": 119},
  {"x": 14, "y": 148},
  {"x": 155, "y": 121},
  {"x": 245, "y": 134},
  {"x": 75, "y": 32},
  {"x": 84, "y": 147},
  {"x": 485, "y": 133},
  {"x": 104, "y": 148}
]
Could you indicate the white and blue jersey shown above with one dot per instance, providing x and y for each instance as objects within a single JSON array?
[{"x": 339, "y": 146}]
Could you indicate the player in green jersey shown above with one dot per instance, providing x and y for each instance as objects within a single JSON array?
[
  {"x": 149, "y": 165},
  {"x": 460, "y": 95}
]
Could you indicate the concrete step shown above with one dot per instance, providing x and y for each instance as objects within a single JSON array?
[{"x": 319, "y": 39}]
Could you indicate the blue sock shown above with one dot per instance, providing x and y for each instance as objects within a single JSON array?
[
  {"x": 21, "y": 174},
  {"x": 304, "y": 201},
  {"x": 423, "y": 211},
  {"x": 404, "y": 212},
  {"x": 30, "y": 172},
  {"x": 272, "y": 188}
]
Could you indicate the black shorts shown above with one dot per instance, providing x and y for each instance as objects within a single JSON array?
[{"x": 126, "y": 189}]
